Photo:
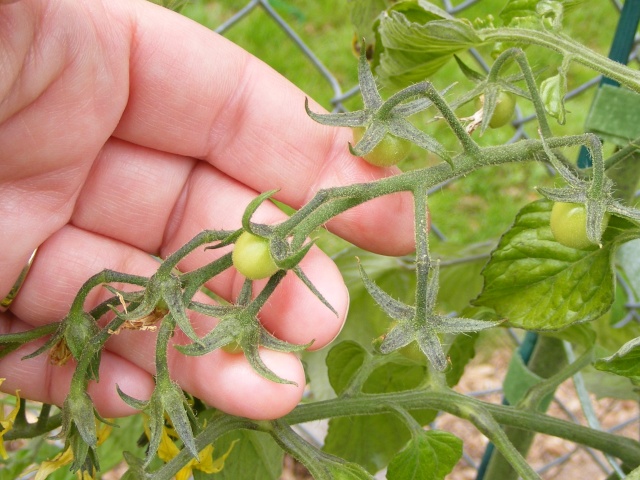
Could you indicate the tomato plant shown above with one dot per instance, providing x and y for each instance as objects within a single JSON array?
[
  {"x": 435, "y": 301},
  {"x": 252, "y": 258}
]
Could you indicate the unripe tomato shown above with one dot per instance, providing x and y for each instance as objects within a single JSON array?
[
  {"x": 412, "y": 352},
  {"x": 569, "y": 225},
  {"x": 390, "y": 151},
  {"x": 232, "y": 348},
  {"x": 505, "y": 106},
  {"x": 252, "y": 258}
]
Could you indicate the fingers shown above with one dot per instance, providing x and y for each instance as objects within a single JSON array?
[
  {"x": 220, "y": 104},
  {"x": 63, "y": 86}
]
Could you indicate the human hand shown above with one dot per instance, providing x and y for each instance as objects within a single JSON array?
[{"x": 125, "y": 130}]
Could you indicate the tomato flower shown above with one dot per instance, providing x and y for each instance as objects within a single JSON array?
[{"x": 207, "y": 464}]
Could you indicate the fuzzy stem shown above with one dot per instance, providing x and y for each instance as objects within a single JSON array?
[
  {"x": 422, "y": 262},
  {"x": 330, "y": 202},
  {"x": 566, "y": 46},
  {"x": 446, "y": 400}
]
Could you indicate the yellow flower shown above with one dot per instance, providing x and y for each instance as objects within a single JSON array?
[
  {"x": 168, "y": 450},
  {"x": 6, "y": 423},
  {"x": 65, "y": 458}
]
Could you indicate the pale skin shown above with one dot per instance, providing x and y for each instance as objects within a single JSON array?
[{"x": 125, "y": 130}]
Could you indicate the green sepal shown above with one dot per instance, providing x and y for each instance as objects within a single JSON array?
[
  {"x": 167, "y": 397},
  {"x": 343, "y": 119},
  {"x": 489, "y": 106},
  {"x": 177, "y": 309},
  {"x": 293, "y": 259},
  {"x": 131, "y": 401},
  {"x": 215, "y": 311},
  {"x": 78, "y": 413},
  {"x": 242, "y": 327},
  {"x": 430, "y": 345},
  {"x": 381, "y": 118},
  {"x": 228, "y": 240},
  {"x": 302, "y": 276},
  {"x": 176, "y": 406},
  {"x": 227, "y": 331},
  {"x": 372, "y": 136},
  {"x": 273, "y": 343},
  {"x": 392, "y": 307},
  {"x": 407, "y": 131},
  {"x": 250, "y": 347},
  {"x": 400, "y": 335},
  {"x": 368, "y": 88},
  {"x": 251, "y": 209},
  {"x": 55, "y": 338}
]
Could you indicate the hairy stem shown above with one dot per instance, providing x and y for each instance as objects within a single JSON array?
[
  {"x": 446, "y": 400},
  {"x": 566, "y": 46}
]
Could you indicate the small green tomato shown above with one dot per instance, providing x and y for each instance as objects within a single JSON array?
[
  {"x": 232, "y": 348},
  {"x": 252, "y": 258},
  {"x": 569, "y": 225},
  {"x": 505, "y": 106},
  {"x": 390, "y": 151},
  {"x": 412, "y": 352}
]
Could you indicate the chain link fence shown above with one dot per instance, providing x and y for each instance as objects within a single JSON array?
[{"x": 573, "y": 402}]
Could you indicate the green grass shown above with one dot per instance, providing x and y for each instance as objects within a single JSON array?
[{"x": 476, "y": 208}]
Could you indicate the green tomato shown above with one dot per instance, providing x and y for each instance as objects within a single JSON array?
[
  {"x": 232, "y": 348},
  {"x": 252, "y": 258},
  {"x": 390, "y": 151},
  {"x": 505, "y": 106},
  {"x": 569, "y": 225},
  {"x": 412, "y": 352}
]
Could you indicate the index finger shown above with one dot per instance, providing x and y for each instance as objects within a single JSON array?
[{"x": 196, "y": 94}]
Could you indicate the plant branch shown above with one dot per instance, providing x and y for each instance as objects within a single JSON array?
[
  {"x": 566, "y": 46},
  {"x": 447, "y": 400}
]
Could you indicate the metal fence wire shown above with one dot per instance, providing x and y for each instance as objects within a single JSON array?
[{"x": 554, "y": 458}]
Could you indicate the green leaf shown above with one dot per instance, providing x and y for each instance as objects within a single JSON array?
[
  {"x": 415, "y": 39},
  {"x": 519, "y": 380},
  {"x": 122, "y": 438},
  {"x": 538, "y": 284},
  {"x": 469, "y": 72},
  {"x": 625, "y": 362},
  {"x": 581, "y": 334},
  {"x": 536, "y": 13},
  {"x": 343, "y": 361},
  {"x": 255, "y": 457},
  {"x": 363, "y": 13},
  {"x": 460, "y": 353},
  {"x": 430, "y": 455}
]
